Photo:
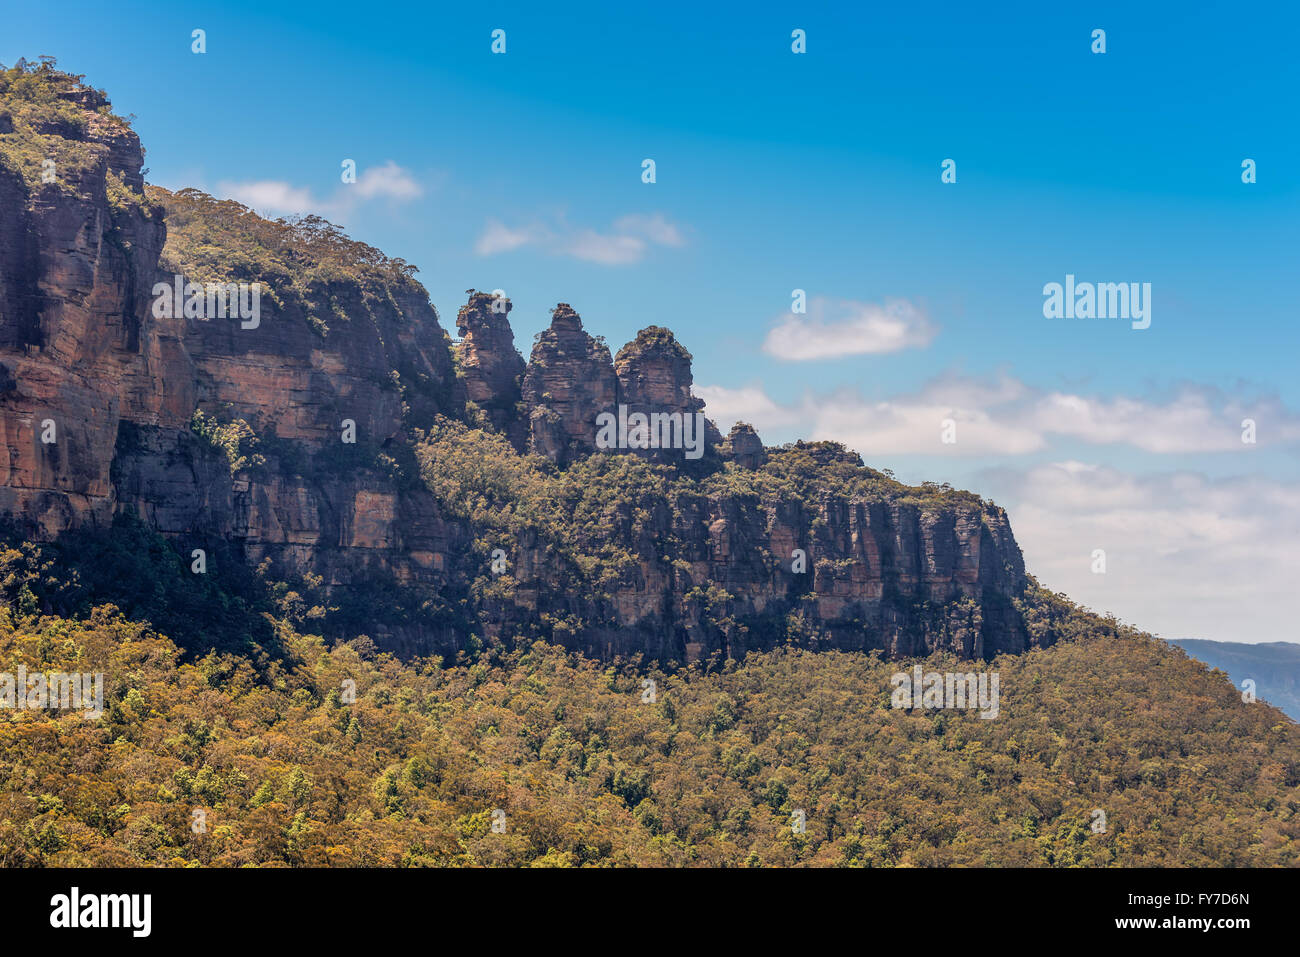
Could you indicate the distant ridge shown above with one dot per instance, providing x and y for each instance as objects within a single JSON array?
[{"x": 1274, "y": 667}]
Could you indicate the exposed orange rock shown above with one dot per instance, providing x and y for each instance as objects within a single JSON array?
[{"x": 363, "y": 355}]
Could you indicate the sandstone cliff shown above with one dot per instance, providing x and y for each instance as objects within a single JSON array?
[
  {"x": 293, "y": 438},
  {"x": 654, "y": 376},
  {"x": 570, "y": 381},
  {"x": 490, "y": 365}
]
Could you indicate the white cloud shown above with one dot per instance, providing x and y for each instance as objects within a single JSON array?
[
  {"x": 1194, "y": 420},
  {"x": 1186, "y": 557},
  {"x": 388, "y": 180},
  {"x": 279, "y": 198},
  {"x": 748, "y": 404},
  {"x": 499, "y": 238},
  {"x": 1004, "y": 416},
  {"x": 894, "y": 427},
  {"x": 843, "y": 327},
  {"x": 627, "y": 242},
  {"x": 654, "y": 228},
  {"x": 607, "y": 250},
  {"x": 271, "y": 197}
]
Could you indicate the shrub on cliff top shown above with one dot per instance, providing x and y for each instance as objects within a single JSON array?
[
  {"x": 51, "y": 117},
  {"x": 212, "y": 239},
  {"x": 657, "y": 338}
]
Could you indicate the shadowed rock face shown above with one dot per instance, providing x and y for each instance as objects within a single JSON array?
[
  {"x": 78, "y": 347},
  {"x": 744, "y": 447},
  {"x": 317, "y": 504},
  {"x": 82, "y": 348},
  {"x": 654, "y": 377},
  {"x": 896, "y": 578},
  {"x": 569, "y": 382},
  {"x": 490, "y": 365}
]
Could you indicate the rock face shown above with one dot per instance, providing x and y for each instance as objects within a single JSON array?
[
  {"x": 290, "y": 438},
  {"x": 569, "y": 382},
  {"x": 744, "y": 447},
  {"x": 490, "y": 365},
  {"x": 654, "y": 377},
  {"x": 654, "y": 371},
  {"x": 741, "y": 573},
  {"x": 330, "y": 404},
  {"x": 78, "y": 348},
  {"x": 98, "y": 393}
]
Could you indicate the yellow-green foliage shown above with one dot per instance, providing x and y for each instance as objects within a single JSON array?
[
  {"x": 805, "y": 471},
  {"x": 236, "y": 439},
  {"x": 212, "y": 240},
  {"x": 589, "y": 515},
  {"x": 49, "y": 127},
  {"x": 287, "y": 771},
  {"x": 605, "y": 513}
]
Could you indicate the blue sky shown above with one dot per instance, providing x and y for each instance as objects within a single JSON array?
[{"x": 821, "y": 171}]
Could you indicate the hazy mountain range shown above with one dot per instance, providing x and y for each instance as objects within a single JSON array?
[{"x": 1274, "y": 667}]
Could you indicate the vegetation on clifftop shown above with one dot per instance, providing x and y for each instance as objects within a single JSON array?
[
  {"x": 808, "y": 471},
  {"x": 594, "y": 524},
  {"x": 49, "y": 116},
  {"x": 212, "y": 240}
]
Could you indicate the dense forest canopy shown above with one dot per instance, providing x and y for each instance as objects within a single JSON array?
[{"x": 294, "y": 752}]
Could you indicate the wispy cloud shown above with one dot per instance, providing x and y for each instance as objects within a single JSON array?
[
  {"x": 388, "y": 181},
  {"x": 654, "y": 228},
  {"x": 627, "y": 241},
  {"x": 604, "y": 248},
  {"x": 500, "y": 238},
  {"x": 843, "y": 327},
  {"x": 271, "y": 197},
  {"x": 1004, "y": 416}
]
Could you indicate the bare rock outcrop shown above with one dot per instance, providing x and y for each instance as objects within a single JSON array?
[
  {"x": 490, "y": 365},
  {"x": 569, "y": 382},
  {"x": 654, "y": 379},
  {"x": 744, "y": 447}
]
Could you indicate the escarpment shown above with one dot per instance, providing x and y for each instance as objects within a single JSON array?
[{"x": 294, "y": 437}]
